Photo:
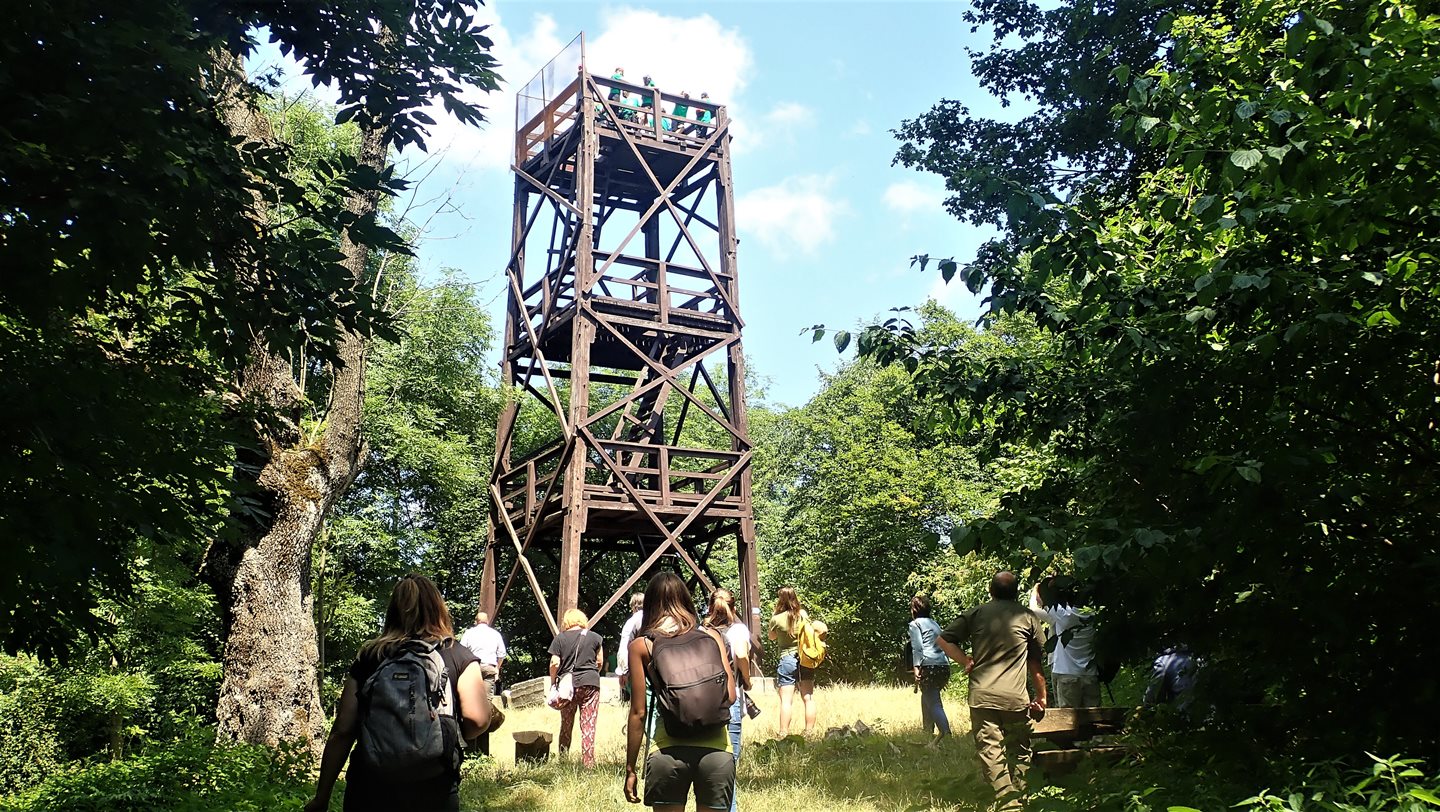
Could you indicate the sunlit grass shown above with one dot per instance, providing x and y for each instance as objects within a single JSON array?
[{"x": 890, "y": 769}]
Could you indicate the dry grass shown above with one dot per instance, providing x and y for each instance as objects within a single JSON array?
[{"x": 891, "y": 769}]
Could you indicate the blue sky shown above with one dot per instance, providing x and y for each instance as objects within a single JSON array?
[{"x": 827, "y": 225}]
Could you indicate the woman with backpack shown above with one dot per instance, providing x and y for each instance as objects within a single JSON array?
[
  {"x": 405, "y": 760},
  {"x": 688, "y": 670},
  {"x": 785, "y": 629},
  {"x": 724, "y": 619},
  {"x": 931, "y": 666},
  {"x": 578, "y": 653}
]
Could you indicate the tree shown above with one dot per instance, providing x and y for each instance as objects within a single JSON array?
[
  {"x": 173, "y": 252},
  {"x": 422, "y": 499},
  {"x": 857, "y": 496},
  {"x": 1242, "y": 400}
]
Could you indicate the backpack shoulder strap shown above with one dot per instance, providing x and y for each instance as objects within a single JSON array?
[{"x": 730, "y": 681}]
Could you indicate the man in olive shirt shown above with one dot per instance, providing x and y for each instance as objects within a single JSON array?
[{"x": 1008, "y": 644}]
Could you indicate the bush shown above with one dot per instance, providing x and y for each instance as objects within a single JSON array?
[
  {"x": 30, "y": 747},
  {"x": 195, "y": 773}
]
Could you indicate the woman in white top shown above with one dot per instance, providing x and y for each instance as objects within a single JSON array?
[
  {"x": 724, "y": 619},
  {"x": 1073, "y": 670}
]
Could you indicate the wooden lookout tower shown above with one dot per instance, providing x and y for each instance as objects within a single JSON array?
[{"x": 623, "y": 327}]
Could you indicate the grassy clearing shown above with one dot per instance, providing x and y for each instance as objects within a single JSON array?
[{"x": 891, "y": 769}]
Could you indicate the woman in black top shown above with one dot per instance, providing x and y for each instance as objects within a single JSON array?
[
  {"x": 579, "y": 652},
  {"x": 417, "y": 611}
]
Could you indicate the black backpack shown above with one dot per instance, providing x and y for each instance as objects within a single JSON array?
[
  {"x": 409, "y": 724},
  {"x": 688, "y": 679}
]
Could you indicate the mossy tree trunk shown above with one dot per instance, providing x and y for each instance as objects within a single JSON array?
[{"x": 269, "y": 691}]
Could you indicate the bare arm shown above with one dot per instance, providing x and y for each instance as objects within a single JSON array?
[
  {"x": 1037, "y": 679},
  {"x": 956, "y": 653},
  {"x": 337, "y": 746},
  {"x": 742, "y": 663},
  {"x": 554, "y": 668},
  {"x": 474, "y": 702},
  {"x": 635, "y": 722},
  {"x": 600, "y": 659}
]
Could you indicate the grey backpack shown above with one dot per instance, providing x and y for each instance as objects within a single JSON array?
[
  {"x": 409, "y": 729},
  {"x": 690, "y": 681}
]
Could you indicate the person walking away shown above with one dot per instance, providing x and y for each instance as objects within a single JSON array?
[
  {"x": 784, "y": 629},
  {"x": 577, "y": 651},
  {"x": 932, "y": 667},
  {"x": 692, "y": 745},
  {"x": 627, "y": 634},
  {"x": 1008, "y": 644},
  {"x": 417, "y": 640},
  {"x": 724, "y": 619},
  {"x": 489, "y": 648},
  {"x": 1073, "y": 668}
]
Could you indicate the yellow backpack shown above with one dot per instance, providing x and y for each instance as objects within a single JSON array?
[{"x": 808, "y": 643}]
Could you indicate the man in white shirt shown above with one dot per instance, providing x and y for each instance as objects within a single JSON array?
[
  {"x": 489, "y": 647},
  {"x": 1077, "y": 679},
  {"x": 627, "y": 634}
]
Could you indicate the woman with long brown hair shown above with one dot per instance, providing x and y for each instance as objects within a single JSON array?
[
  {"x": 724, "y": 619},
  {"x": 417, "y": 612},
  {"x": 784, "y": 629},
  {"x": 702, "y": 757}
]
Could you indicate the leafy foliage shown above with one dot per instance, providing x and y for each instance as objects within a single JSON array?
[
  {"x": 422, "y": 500},
  {"x": 194, "y": 773},
  {"x": 864, "y": 480},
  {"x": 121, "y": 316},
  {"x": 1241, "y": 394}
]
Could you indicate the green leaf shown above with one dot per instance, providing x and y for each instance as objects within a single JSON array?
[
  {"x": 842, "y": 340},
  {"x": 1246, "y": 109},
  {"x": 1425, "y": 795},
  {"x": 1248, "y": 473},
  {"x": 1122, "y": 74},
  {"x": 1246, "y": 158},
  {"x": 816, "y": 335}
]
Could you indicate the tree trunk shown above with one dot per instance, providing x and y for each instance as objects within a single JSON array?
[{"x": 269, "y": 691}]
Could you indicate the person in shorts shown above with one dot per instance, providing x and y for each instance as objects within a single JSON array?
[
  {"x": 789, "y": 674},
  {"x": 704, "y": 763}
]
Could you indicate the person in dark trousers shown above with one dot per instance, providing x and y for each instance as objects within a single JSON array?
[
  {"x": 931, "y": 667},
  {"x": 417, "y": 611},
  {"x": 1008, "y": 645}
]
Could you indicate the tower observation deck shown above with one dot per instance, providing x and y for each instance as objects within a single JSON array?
[{"x": 623, "y": 331}]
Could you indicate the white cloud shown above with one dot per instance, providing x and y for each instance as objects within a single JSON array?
[
  {"x": 521, "y": 55},
  {"x": 953, "y": 295},
  {"x": 860, "y": 128},
  {"x": 796, "y": 214},
  {"x": 643, "y": 42},
  {"x": 908, "y": 197}
]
